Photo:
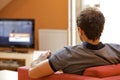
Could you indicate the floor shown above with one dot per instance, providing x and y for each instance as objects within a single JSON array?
[{"x": 8, "y": 75}]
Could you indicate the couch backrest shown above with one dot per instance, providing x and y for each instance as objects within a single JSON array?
[{"x": 103, "y": 71}]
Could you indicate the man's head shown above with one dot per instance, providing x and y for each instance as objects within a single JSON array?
[{"x": 91, "y": 22}]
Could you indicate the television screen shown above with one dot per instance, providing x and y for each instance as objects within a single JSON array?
[{"x": 17, "y": 33}]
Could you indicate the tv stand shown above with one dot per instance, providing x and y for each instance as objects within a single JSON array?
[
  {"x": 16, "y": 57},
  {"x": 21, "y": 51},
  {"x": 13, "y": 50}
]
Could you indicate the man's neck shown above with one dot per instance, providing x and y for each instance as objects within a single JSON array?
[
  {"x": 98, "y": 46},
  {"x": 95, "y": 42}
]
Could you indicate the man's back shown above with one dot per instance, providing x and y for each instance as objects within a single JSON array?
[{"x": 77, "y": 58}]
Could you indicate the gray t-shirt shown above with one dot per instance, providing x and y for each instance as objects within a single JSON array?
[{"x": 76, "y": 59}]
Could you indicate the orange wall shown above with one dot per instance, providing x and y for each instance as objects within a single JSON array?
[{"x": 48, "y": 14}]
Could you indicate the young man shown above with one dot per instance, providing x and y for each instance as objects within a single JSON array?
[{"x": 92, "y": 52}]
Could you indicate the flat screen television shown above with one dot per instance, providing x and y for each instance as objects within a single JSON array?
[{"x": 18, "y": 33}]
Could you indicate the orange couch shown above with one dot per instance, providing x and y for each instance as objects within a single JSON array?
[{"x": 107, "y": 72}]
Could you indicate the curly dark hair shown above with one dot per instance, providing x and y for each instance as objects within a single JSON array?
[{"x": 91, "y": 21}]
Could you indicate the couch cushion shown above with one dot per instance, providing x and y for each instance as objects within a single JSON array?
[
  {"x": 112, "y": 78},
  {"x": 103, "y": 71}
]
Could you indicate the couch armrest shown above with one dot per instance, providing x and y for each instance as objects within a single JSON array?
[
  {"x": 23, "y": 75},
  {"x": 103, "y": 71}
]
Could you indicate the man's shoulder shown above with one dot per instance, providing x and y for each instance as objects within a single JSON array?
[{"x": 113, "y": 45}]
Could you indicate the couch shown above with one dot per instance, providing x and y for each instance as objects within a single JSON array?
[{"x": 106, "y": 72}]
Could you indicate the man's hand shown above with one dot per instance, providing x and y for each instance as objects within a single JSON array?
[{"x": 42, "y": 57}]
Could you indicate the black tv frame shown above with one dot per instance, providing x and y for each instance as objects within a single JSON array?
[{"x": 33, "y": 34}]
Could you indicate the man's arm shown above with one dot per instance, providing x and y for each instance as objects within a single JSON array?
[{"x": 41, "y": 69}]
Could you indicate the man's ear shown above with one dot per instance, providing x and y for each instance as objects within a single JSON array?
[{"x": 80, "y": 31}]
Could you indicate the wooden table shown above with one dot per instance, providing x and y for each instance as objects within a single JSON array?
[{"x": 8, "y": 75}]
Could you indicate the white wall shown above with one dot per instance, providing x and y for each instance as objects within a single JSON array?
[
  {"x": 110, "y": 9},
  {"x": 50, "y": 39}
]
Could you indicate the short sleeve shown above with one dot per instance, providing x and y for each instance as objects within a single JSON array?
[{"x": 58, "y": 60}]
